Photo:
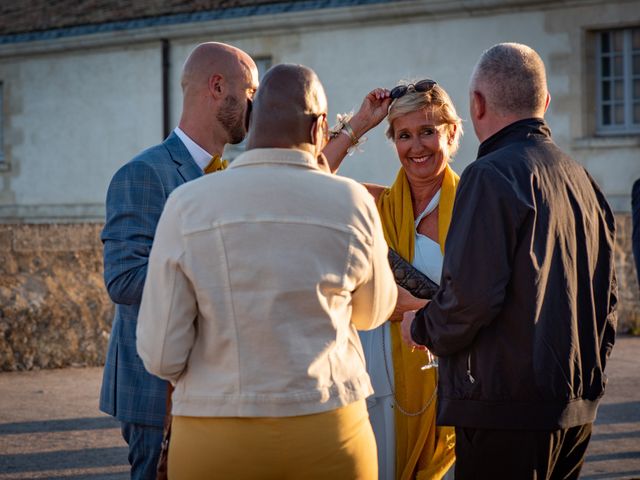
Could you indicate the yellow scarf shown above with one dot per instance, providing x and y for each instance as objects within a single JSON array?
[{"x": 423, "y": 451}]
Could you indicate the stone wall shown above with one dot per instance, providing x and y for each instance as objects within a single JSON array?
[
  {"x": 628, "y": 291},
  {"x": 55, "y": 312}
]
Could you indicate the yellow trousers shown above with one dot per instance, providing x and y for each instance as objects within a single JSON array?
[{"x": 334, "y": 445}]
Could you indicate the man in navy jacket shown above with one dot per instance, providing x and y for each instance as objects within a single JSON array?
[{"x": 524, "y": 320}]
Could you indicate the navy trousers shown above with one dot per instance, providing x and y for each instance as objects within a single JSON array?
[
  {"x": 520, "y": 455},
  {"x": 144, "y": 449}
]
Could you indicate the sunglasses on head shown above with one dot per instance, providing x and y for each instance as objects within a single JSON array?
[{"x": 421, "y": 86}]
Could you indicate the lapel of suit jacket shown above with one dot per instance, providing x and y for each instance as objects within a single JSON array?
[{"x": 187, "y": 166}]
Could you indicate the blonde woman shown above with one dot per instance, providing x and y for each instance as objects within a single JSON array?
[{"x": 416, "y": 211}]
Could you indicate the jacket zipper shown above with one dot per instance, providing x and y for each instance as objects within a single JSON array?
[{"x": 471, "y": 379}]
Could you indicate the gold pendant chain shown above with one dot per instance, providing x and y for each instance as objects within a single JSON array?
[{"x": 393, "y": 390}]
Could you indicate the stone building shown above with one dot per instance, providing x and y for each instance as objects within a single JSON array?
[{"x": 84, "y": 85}]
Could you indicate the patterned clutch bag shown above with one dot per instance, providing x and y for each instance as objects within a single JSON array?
[{"x": 410, "y": 278}]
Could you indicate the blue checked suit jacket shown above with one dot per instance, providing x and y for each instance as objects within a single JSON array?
[{"x": 135, "y": 199}]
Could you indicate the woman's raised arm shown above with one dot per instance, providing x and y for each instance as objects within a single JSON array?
[{"x": 350, "y": 130}]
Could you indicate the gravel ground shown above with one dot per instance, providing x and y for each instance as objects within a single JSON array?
[{"x": 50, "y": 426}]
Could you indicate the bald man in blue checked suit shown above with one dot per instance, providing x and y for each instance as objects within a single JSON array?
[{"x": 218, "y": 83}]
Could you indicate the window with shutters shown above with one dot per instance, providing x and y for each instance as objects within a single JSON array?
[{"x": 618, "y": 81}]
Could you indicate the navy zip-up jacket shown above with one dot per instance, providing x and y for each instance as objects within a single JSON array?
[{"x": 524, "y": 320}]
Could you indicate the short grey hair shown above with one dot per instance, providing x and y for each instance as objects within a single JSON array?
[{"x": 513, "y": 79}]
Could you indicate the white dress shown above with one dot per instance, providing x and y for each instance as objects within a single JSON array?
[{"x": 377, "y": 352}]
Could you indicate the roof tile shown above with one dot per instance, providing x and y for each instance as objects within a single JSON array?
[{"x": 22, "y": 16}]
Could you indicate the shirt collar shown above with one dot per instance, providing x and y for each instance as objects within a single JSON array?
[
  {"x": 280, "y": 156},
  {"x": 199, "y": 154}
]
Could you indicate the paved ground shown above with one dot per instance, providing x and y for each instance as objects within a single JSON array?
[{"x": 50, "y": 426}]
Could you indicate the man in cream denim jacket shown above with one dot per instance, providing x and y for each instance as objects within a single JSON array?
[{"x": 260, "y": 275}]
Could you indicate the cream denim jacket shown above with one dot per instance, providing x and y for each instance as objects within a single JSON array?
[{"x": 258, "y": 278}]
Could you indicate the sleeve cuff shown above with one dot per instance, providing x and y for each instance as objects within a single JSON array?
[{"x": 418, "y": 327}]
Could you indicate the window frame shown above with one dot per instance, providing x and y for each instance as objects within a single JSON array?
[{"x": 628, "y": 127}]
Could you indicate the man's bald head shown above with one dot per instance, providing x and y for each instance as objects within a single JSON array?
[
  {"x": 218, "y": 83},
  {"x": 214, "y": 58},
  {"x": 512, "y": 79},
  {"x": 290, "y": 99}
]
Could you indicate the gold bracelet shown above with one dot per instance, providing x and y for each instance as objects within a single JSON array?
[
  {"x": 346, "y": 127},
  {"x": 343, "y": 126}
]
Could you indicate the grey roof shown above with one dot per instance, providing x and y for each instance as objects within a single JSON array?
[
  {"x": 25, "y": 20},
  {"x": 22, "y": 16}
]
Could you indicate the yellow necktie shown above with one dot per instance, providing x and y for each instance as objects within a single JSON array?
[{"x": 216, "y": 164}]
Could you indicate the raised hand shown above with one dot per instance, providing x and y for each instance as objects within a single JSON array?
[{"x": 372, "y": 111}]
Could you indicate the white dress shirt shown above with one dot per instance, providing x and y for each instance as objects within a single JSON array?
[{"x": 199, "y": 154}]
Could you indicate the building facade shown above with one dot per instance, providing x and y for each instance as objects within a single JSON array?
[{"x": 82, "y": 91}]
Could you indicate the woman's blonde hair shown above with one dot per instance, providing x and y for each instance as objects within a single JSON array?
[{"x": 436, "y": 100}]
